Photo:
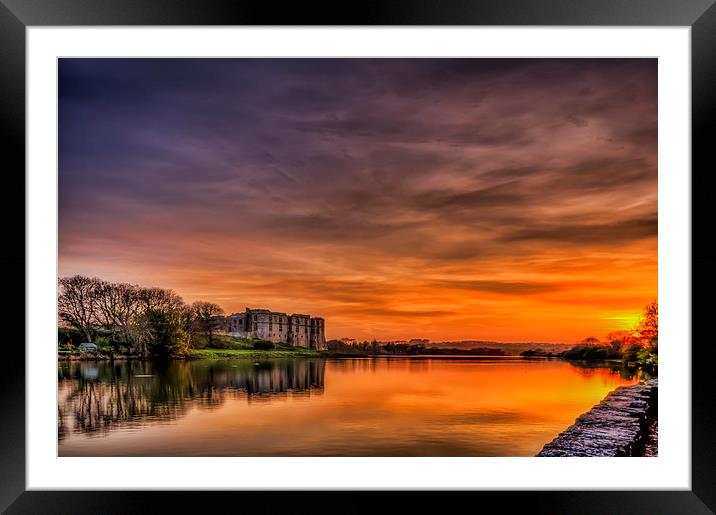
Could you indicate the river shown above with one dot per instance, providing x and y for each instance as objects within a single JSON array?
[{"x": 397, "y": 406}]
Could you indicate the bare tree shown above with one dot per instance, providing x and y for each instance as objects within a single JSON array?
[
  {"x": 118, "y": 304},
  {"x": 77, "y": 303},
  {"x": 621, "y": 338},
  {"x": 159, "y": 298},
  {"x": 206, "y": 317},
  {"x": 649, "y": 325},
  {"x": 590, "y": 340}
]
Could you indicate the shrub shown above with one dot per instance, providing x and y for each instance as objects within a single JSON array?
[
  {"x": 631, "y": 353},
  {"x": 162, "y": 334},
  {"x": 649, "y": 354},
  {"x": 71, "y": 336},
  {"x": 591, "y": 352},
  {"x": 263, "y": 345}
]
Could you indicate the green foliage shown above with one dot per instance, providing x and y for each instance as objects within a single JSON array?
[
  {"x": 105, "y": 344},
  {"x": 161, "y": 334},
  {"x": 72, "y": 336},
  {"x": 648, "y": 356},
  {"x": 255, "y": 354},
  {"x": 631, "y": 353},
  {"x": 220, "y": 341},
  {"x": 103, "y": 340}
]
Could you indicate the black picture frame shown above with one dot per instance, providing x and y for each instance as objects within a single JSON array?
[{"x": 699, "y": 15}]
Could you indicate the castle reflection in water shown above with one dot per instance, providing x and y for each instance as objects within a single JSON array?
[{"x": 97, "y": 397}]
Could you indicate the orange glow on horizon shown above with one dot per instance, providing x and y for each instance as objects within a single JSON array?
[{"x": 559, "y": 297}]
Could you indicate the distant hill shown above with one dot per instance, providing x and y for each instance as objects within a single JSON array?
[{"x": 510, "y": 348}]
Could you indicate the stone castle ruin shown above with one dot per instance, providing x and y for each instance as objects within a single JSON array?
[{"x": 297, "y": 330}]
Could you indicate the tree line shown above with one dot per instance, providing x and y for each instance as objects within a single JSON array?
[
  {"x": 147, "y": 321},
  {"x": 377, "y": 348},
  {"x": 638, "y": 345}
]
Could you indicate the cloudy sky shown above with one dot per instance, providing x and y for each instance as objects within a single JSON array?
[{"x": 493, "y": 199}]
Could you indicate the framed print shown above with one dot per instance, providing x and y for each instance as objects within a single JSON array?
[{"x": 417, "y": 248}]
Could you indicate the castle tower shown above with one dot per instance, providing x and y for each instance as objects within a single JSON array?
[{"x": 318, "y": 334}]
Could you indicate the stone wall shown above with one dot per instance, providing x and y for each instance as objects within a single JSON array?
[
  {"x": 299, "y": 335},
  {"x": 620, "y": 425}
]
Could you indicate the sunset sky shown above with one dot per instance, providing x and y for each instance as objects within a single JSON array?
[{"x": 450, "y": 199}]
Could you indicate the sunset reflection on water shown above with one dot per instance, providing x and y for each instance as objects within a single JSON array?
[{"x": 505, "y": 406}]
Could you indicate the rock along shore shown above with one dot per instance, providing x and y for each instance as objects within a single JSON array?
[{"x": 619, "y": 425}]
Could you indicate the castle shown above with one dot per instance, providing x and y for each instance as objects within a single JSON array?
[{"x": 297, "y": 330}]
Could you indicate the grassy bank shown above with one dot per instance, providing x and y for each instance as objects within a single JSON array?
[
  {"x": 220, "y": 347},
  {"x": 254, "y": 354},
  {"x": 223, "y": 346}
]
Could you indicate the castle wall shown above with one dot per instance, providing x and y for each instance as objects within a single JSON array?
[
  {"x": 277, "y": 327},
  {"x": 297, "y": 330}
]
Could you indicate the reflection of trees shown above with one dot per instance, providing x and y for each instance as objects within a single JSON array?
[
  {"x": 589, "y": 368},
  {"x": 360, "y": 364},
  {"x": 97, "y": 397}
]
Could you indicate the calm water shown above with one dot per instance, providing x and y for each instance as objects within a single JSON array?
[{"x": 354, "y": 407}]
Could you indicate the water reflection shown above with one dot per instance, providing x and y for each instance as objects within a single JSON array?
[
  {"x": 591, "y": 368},
  {"x": 391, "y": 406},
  {"x": 98, "y": 397}
]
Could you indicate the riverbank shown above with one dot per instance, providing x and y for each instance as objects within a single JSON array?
[
  {"x": 243, "y": 350},
  {"x": 194, "y": 354},
  {"x": 297, "y": 352},
  {"x": 207, "y": 354},
  {"x": 624, "y": 423},
  {"x": 252, "y": 354}
]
